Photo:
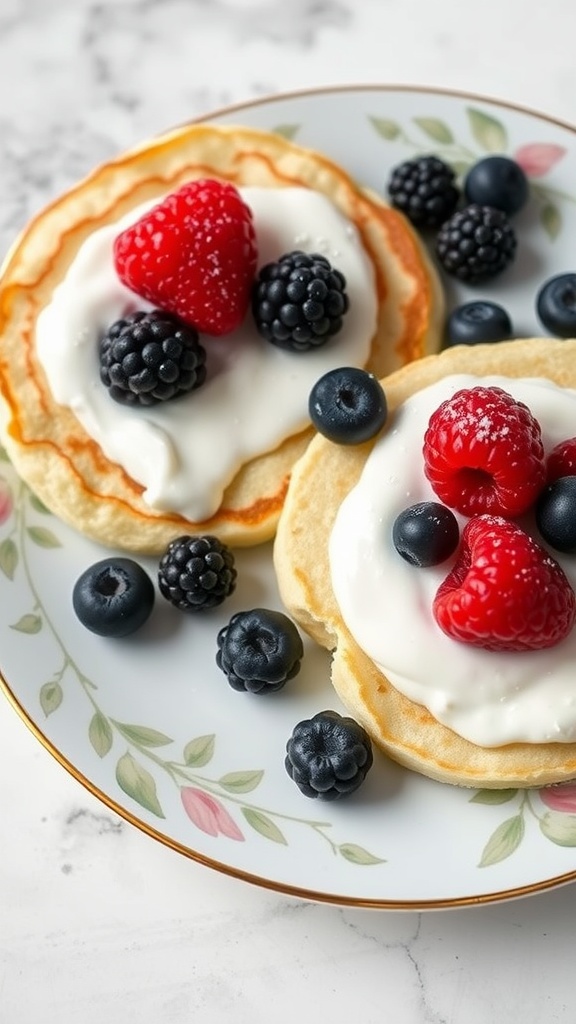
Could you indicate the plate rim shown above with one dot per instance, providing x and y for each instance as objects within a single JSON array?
[
  {"x": 275, "y": 885},
  {"x": 359, "y": 87},
  {"x": 284, "y": 888}
]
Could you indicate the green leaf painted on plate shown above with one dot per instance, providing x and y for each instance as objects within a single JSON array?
[
  {"x": 42, "y": 537},
  {"x": 435, "y": 129},
  {"x": 288, "y": 131},
  {"x": 38, "y": 505},
  {"x": 100, "y": 734},
  {"x": 551, "y": 220},
  {"x": 138, "y": 784},
  {"x": 241, "y": 782},
  {"x": 487, "y": 130},
  {"x": 493, "y": 796},
  {"x": 503, "y": 841},
  {"x": 51, "y": 696},
  {"x": 357, "y": 854},
  {"x": 264, "y": 825},
  {"x": 29, "y": 623},
  {"x": 8, "y": 557},
  {"x": 142, "y": 735},
  {"x": 199, "y": 751},
  {"x": 3, "y": 454},
  {"x": 559, "y": 827},
  {"x": 385, "y": 128}
]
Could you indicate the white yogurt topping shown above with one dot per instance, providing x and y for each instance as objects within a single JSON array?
[
  {"x": 185, "y": 452},
  {"x": 487, "y": 697}
]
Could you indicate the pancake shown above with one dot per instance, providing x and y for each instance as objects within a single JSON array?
[
  {"x": 321, "y": 479},
  {"x": 48, "y": 446}
]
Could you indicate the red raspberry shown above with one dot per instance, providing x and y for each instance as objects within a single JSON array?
[
  {"x": 483, "y": 452},
  {"x": 561, "y": 460},
  {"x": 194, "y": 254},
  {"x": 505, "y": 592}
]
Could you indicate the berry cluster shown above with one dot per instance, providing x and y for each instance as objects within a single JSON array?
[
  {"x": 477, "y": 242},
  {"x": 115, "y": 596},
  {"x": 474, "y": 243},
  {"x": 484, "y": 457},
  {"x": 194, "y": 257},
  {"x": 483, "y": 321},
  {"x": 259, "y": 650}
]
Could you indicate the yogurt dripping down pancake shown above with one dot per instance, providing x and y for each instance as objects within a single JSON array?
[
  {"x": 50, "y": 449},
  {"x": 321, "y": 481}
]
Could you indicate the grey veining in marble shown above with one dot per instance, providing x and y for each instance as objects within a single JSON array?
[{"x": 119, "y": 71}]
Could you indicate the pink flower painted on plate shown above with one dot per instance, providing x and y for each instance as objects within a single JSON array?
[
  {"x": 208, "y": 814},
  {"x": 537, "y": 158},
  {"x": 560, "y": 798},
  {"x": 6, "y": 500}
]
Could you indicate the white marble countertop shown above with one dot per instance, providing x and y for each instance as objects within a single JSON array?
[{"x": 98, "y": 923}]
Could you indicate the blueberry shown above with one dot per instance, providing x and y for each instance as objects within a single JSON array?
[
  {"x": 426, "y": 533},
  {"x": 497, "y": 181},
  {"x": 556, "y": 305},
  {"x": 328, "y": 756},
  {"x": 259, "y": 650},
  {"x": 556, "y": 514},
  {"x": 113, "y": 597},
  {"x": 348, "y": 405},
  {"x": 479, "y": 321}
]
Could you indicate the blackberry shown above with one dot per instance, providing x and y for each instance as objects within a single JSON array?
[
  {"x": 149, "y": 357},
  {"x": 113, "y": 597},
  {"x": 259, "y": 650},
  {"x": 476, "y": 243},
  {"x": 299, "y": 301},
  {"x": 425, "y": 190},
  {"x": 328, "y": 756},
  {"x": 196, "y": 573}
]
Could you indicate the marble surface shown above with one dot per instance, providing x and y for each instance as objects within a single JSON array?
[{"x": 97, "y": 922}]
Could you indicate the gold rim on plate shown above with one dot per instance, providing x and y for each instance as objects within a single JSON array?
[{"x": 219, "y": 866}]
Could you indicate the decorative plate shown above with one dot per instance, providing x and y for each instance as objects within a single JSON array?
[{"x": 150, "y": 725}]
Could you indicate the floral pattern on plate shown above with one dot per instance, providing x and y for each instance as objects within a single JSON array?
[
  {"x": 557, "y": 823},
  {"x": 489, "y": 133},
  {"x": 203, "y": 798},
  {"x": 187, "y": 779}
]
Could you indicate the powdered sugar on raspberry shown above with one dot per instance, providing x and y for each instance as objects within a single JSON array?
[
  {"x": 194, "y": 254},
  {"x": 504, "y": 592},
  {"x": 483, "y": 453},
  {"x": 488, "y": 697}
]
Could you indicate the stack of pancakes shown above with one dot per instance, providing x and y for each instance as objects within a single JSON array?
[
  {"x": 296, "y": 489},
  {"x": 48, "y": 446},
  {"x": 322, "y": 478}
]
